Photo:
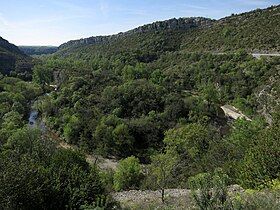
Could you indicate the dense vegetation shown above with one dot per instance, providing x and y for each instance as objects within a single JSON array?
[
  {"x": 145, "y": 99},
  {"x": 167, "y": 113},
  {"x": 253, "y": 31},
  {"x": 34, "y": 173}
]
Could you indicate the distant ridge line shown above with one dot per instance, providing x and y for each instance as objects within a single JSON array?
[{"x": 180, "y": 23}]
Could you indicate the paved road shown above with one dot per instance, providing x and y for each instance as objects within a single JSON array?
[{"x": 258, "y": 55}]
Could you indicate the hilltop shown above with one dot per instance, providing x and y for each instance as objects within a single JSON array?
[
  {"x": 13, "y": 61},
  {"x": 253, "y": 31}
]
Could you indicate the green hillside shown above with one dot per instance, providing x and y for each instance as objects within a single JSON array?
[
  {"x": 254, "y": 31},
  {"x": 13, "y": 61},
  {"x": 175, "y": 104},
  {"x": 160, "y": 78}
]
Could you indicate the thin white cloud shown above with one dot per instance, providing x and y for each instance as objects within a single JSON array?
[
  {"x": 104, "y": 8},
  {"x": 53, "y": 19},
  {"x": 132, "y": 12},
  {"x": 3, "y": 21},
  {"x": 196, "y": 7},
  {"x": 6, "y": 26},
  {"x": 70, "y": 6},
  {"x": 255, "y": 2}
]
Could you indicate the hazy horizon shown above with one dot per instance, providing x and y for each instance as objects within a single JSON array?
[{"x": 53, "y": 22}]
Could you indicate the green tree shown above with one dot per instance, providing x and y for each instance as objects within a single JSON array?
[
  {"x": 261, "y": 162},
  {"x": 43, "y": 75},
  {"x": 123, "y": 140},
  {"x": 210, "y": 93},
  {"x": 72, "y": 129},
  {"x": 105, "y": 141},
  {"x": 73, "y": 182},
  {"x": 244, "y": 134},
  {"x": 24, "y": 184},
  {"x": 128, "y": 174},
  {"x": 161, "y": 168},
  {"x": 212, "y": 192},
  {"x": 190, "y": 143},
  {"x": 11, "y": 122}
]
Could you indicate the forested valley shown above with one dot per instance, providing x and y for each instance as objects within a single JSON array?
[{"x": 154, "y": 102}]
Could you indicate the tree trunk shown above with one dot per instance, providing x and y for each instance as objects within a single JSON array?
[{"x": 162, "y": 195}]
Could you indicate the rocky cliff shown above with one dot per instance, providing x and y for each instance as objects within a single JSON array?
[{"x": 181, "y": 23}]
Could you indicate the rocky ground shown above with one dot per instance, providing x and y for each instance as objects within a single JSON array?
[{"x": 176, "y": 199}]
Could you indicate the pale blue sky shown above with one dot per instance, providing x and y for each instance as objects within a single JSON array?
[{"x": 52, "y": 22}]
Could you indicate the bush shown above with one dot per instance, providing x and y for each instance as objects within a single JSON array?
[
  {"x": 256, "y": 200},
  {"x": 128, "y": 174},
  {"x": 210, "y": 192}
]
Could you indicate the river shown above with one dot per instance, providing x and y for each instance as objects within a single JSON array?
[
  {"x": 32, "y": 118},
  {"x": 35, "y": 121}
]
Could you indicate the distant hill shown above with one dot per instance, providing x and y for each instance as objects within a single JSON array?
[
  {"x": 13, "y": 61},
  {"x": 255, "y": 31},
  {"x": 181, "y": 23},
  {"x": 38, "y": 50}
]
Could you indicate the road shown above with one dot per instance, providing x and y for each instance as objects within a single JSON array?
[{"x": 258, "y": 55}]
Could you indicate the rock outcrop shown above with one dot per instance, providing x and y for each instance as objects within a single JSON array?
[{"x": 181, "y": 23}]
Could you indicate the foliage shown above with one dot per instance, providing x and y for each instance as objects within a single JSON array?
[
  {"x": 33, "y": 173},
  {"x": 152, "y": 95},
  {"x": 36, "y": 175},
  {"x": 160, "y": 171},
  {"x": 256, "y": 200},
  {"x": 210, "y": 192},
  {"x": 250, "y": 31},
  {"x": 261, "y": 162},
  {"x": 128, "y": 174},
  {"x": 42, "y": 75}
]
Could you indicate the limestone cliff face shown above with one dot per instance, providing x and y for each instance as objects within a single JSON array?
[
  {"x": 181, "y": 23},
  {"x": 267, "y": 97}
]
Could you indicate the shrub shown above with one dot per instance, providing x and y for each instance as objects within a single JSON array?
[
  {"x": 128, "y": 174},
  {"x": 209, "y": 192}
]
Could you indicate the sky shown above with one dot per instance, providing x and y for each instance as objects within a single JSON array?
[{"x": 53, "y": 22}]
